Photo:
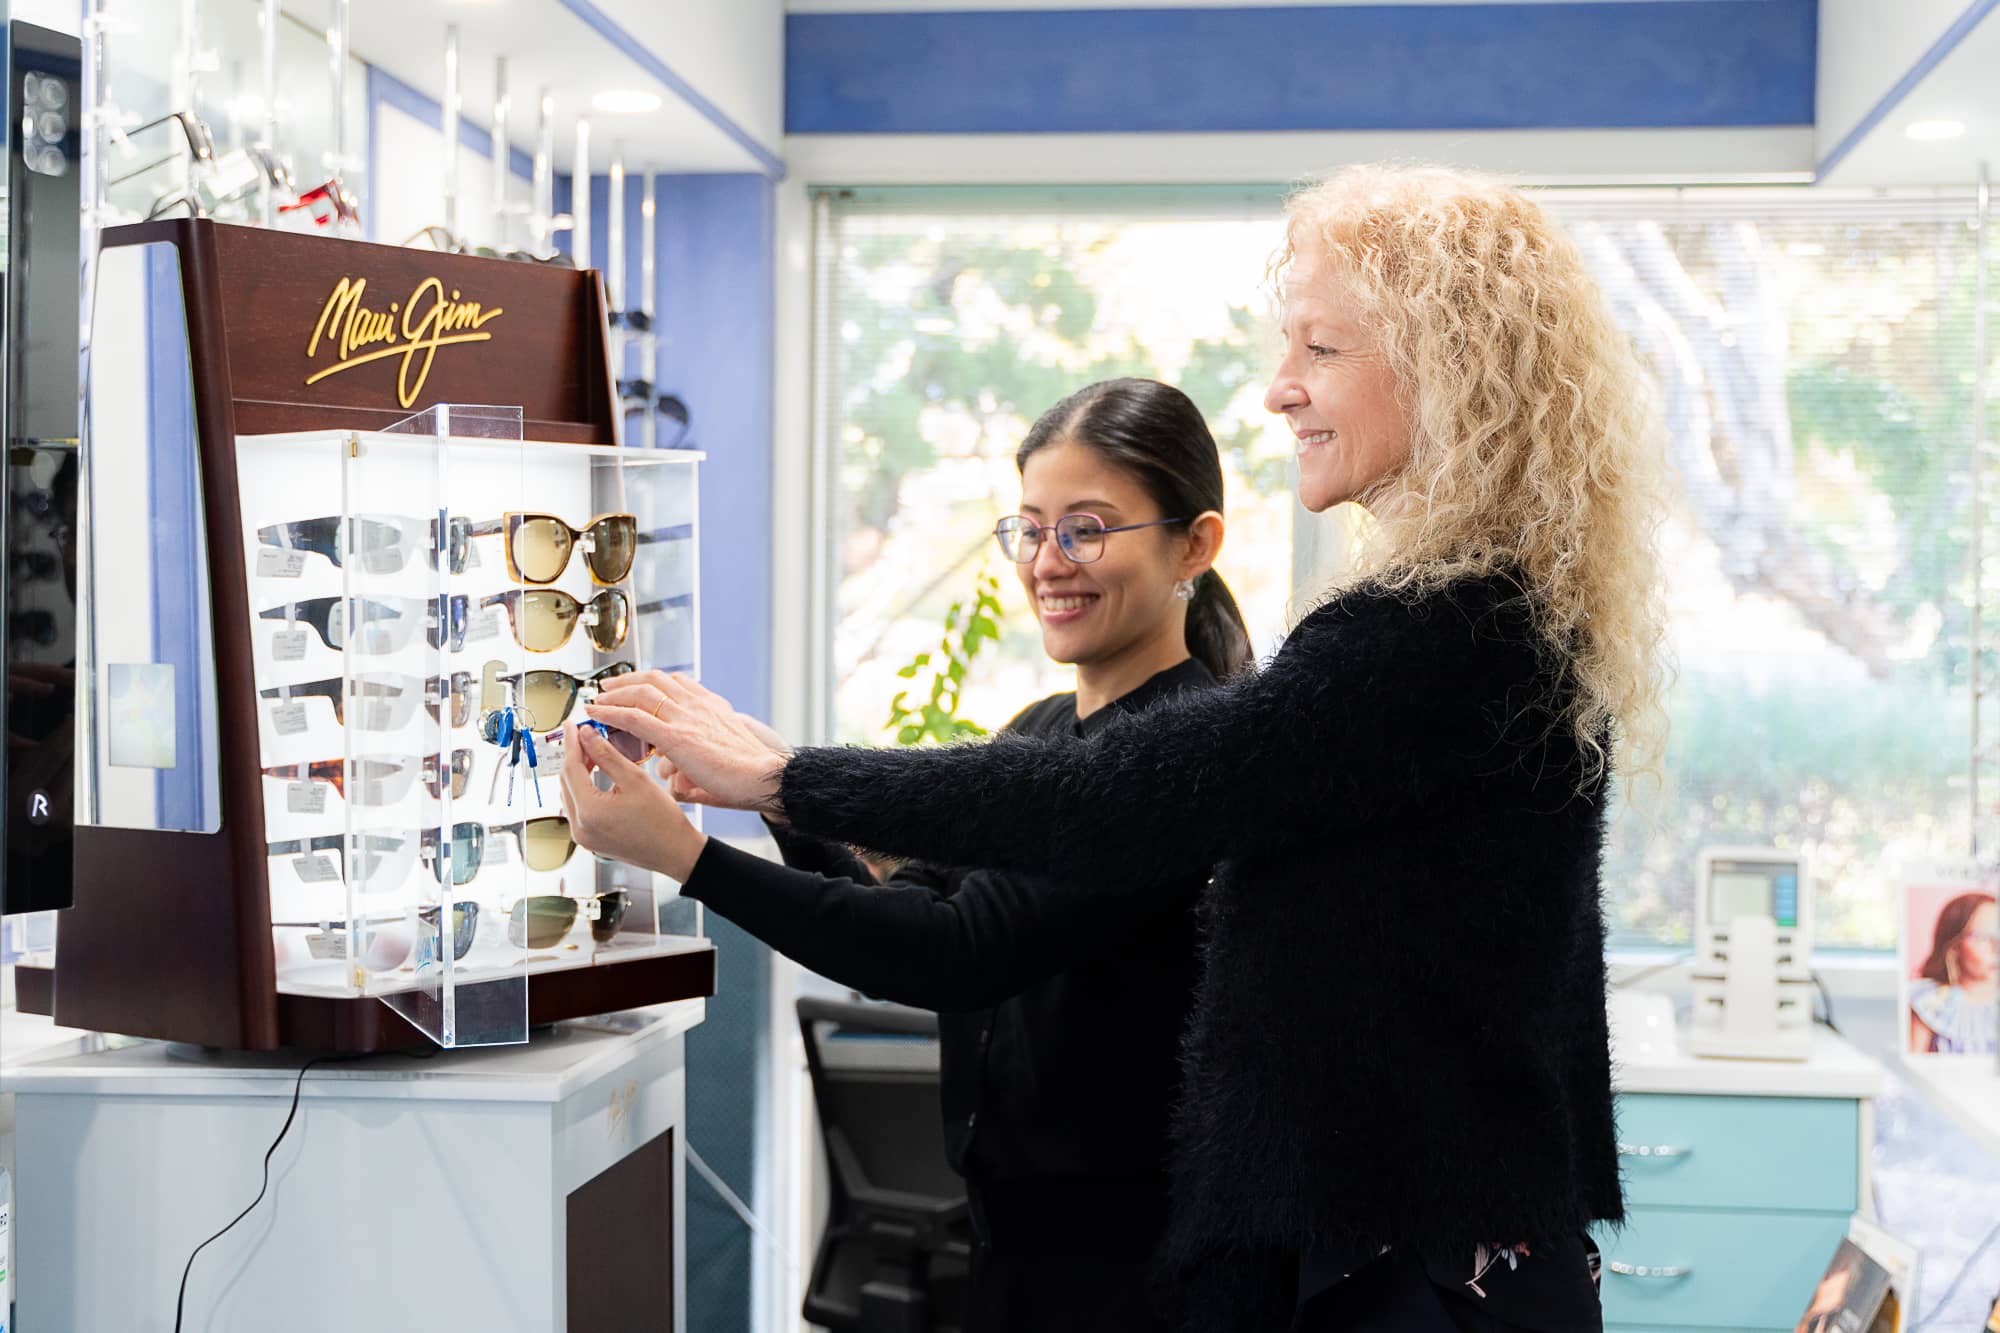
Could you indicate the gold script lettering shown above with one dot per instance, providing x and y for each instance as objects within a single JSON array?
[{"x": 431, "y": 319}]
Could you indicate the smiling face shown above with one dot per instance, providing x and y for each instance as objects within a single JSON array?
[
  {"x": 1121, "y": 603},
  {"x": 1335, "y": 390}
]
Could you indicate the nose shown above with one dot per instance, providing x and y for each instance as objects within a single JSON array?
[
  {"x": 1050, "y": 562},
  {"x": 1286, "y": 392}
]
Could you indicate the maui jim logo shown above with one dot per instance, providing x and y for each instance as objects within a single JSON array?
[{"x": 412, "y": 330}]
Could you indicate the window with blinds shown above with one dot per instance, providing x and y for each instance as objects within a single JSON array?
[{"x": 1816, "y": 363}]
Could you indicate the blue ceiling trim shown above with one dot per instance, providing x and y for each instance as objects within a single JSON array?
[
  {"x": 773, "y": 166},
  {"x": 1642, "y": 64},
  {"x": 1902, "y": 88}
]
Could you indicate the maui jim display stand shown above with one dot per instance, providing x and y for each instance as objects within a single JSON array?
[
  {"x": 330, "y": 609},
  {"x": 330, "y": 613}
]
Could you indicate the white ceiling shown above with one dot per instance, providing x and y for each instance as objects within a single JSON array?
[
  {"x": 1965, "y": 87},
  {"x": 546, "y": 46}
]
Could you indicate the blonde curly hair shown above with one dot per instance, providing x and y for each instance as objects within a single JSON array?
[{"x": 1535, "y": 436}]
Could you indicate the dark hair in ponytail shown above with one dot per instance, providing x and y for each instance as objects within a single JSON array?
[{"x": 1156, "y": 433}]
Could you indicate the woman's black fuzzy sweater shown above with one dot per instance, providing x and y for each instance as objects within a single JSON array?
[{"x": 1399, "y": 1038}]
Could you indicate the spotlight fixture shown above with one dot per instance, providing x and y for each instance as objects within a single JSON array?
[
  {"x": 625, "y": 101},
  {"x": 1932, "y": 131}
]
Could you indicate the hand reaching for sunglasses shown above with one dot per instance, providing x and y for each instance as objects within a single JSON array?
[
  {"x": 714, "y": 755},
  {"x": 635, "y": 820}
]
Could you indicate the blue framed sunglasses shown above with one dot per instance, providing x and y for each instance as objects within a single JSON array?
[{"x": 1080, "y": 537}]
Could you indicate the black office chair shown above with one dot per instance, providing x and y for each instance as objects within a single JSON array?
[{"x": 896, "y": 1253}]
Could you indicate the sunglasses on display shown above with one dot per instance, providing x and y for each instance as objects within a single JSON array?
[
  {"x": 382, "y": 543},
  {"x": 386, "y": 700},
  {"x": 435, "y": 237},
  {"x": 1080, "y": 537},
  {"x": 547, "y": 697},
  {"x": 384, "y": 859},
  {"x": 539, "y": 546},
  {"x": 632, "y": 321},
  {"x": 378, "y": 626},
  {"x": 386, "y": 946},
  {"x": 382, "y": 779},
  {"x": 543, "y": 844},
  {"x": 329, "y": 204},
  {"x": 543, "y": 619},
  {"x": 677, "y": 416},
  {"x": 541, "y": 921}
]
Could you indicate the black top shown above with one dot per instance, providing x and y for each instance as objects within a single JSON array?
[
  {"x": 1399, "y": 1037},
  {"x": 1061, "y": 1010}
]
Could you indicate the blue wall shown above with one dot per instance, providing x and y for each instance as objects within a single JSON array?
[
  {"x": 1650, "y": 63},
  {"x": 715, "y": 250}
]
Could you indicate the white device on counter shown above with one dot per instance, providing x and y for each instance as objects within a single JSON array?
[{"x": 1753, "y": 986}]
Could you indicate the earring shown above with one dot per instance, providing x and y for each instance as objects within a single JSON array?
[{"x": 1185, "y": 590}]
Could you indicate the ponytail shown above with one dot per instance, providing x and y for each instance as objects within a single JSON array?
[{"x": 1216, "y": 634}]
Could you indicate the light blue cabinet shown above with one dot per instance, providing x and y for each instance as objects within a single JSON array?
[{"x": 1740, "y": 1178}]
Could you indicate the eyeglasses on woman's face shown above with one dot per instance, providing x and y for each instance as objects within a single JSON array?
[{"x": 1080, "y": 537}]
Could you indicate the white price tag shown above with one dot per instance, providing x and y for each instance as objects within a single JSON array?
[
  {"x": 273, "y": 563},
  {"x": 471, "y": 556},
  {"x": 289, "y": 719},
  {"x": 306, "y": 798},
  {"x": 482, "y": 625},
  {"x": 315, "y": 868},
  {"x": 289, "y": 645},
  {"x": 499, "y": 849}
]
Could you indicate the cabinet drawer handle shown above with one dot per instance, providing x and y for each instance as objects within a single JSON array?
[
  {"x": 1652, "y": 1150},
  {"x": 1623, "y": 1269}
]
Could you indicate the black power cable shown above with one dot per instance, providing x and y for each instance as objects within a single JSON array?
[{"x": 297, "y": 1087}]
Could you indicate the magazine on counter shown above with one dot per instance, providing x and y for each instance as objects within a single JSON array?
[{"x": 1868, "y": 1287}]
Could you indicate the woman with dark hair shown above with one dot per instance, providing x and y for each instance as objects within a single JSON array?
[
  {"x": 1952, "y": 996},
  {"x": 1061, "y": 1007}
]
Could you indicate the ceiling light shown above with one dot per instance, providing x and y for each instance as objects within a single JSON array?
[
  {"x": 625, "y": 101},
  {"x": 1930, "y": 131}
]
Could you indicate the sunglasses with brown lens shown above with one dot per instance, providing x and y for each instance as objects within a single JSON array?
[
  {"x": 544, "y": 618},
  {"x": 539, "y": 546}
]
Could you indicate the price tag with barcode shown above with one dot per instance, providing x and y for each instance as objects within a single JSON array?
[
  {"x": 289, "y": 719},
  {"x": 289, "y": 645},
  {"x": 273, "y": 563},
  {"x": 306, "y": 798},
  {"x": 315, "y": 868}
]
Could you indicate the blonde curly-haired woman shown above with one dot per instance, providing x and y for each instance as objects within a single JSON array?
[{"x": 1397, "y": 1106}]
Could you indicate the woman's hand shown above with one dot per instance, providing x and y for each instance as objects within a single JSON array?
[
  {"x": 717, "y": 756},
  {"x": 636, "y": 820}
]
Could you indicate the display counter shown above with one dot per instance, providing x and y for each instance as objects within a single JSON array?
[
  {"x": 1740, "y": 1179},
  {"x": 536, "y": 1187}
]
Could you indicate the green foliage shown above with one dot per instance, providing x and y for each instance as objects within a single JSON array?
[
  {"x": 937, "y": 721},
  {"x": 1845, "y": 769}
]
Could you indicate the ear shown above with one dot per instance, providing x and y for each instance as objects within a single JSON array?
[{"x": 1204, "y": 544}]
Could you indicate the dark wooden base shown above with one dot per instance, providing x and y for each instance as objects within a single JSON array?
[
  {"x": 360, "y": 1026},
  {"x": 35, "y": 990},
  {"x": 619, "y": 1255},
  {"x": 314, "y": 1023}
]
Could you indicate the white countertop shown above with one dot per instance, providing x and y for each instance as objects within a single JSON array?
[
  {"x": 1966, "y": 1088},
  {"x": 1835, "y": 1069},
  {"x": 547, "y": 1069}
]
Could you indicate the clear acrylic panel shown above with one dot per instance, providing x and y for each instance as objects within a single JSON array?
[
  {"x": 664, "y": 488},
  {"x": 149, "y": 723},
  {"x": 466, "y": 898},
  {"x": 419, "y": 851}
]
